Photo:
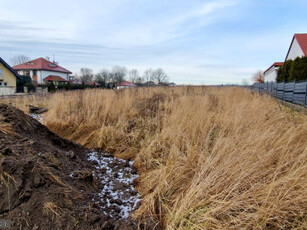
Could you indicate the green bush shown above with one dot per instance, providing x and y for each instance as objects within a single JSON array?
[{"x": 293, "y": 70}]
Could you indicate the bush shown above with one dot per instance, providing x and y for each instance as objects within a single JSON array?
[{"x": 293, "y": 70}]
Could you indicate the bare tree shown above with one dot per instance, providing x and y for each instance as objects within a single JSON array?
[
  {"x": 86, "y": 75},
  {"x": 19, "y": 59},
  {"x": 258, "y": 77},
  {"x": 159, "y": 76},
  {"x": 119, "y": 73},
  {"x": 134, "y": 75},
  {"x": 148, "y": 75},
  {"x": 103, "y": 76}
]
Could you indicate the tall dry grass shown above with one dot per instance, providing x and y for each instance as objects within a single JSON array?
[{"x": 209, "y": 158}]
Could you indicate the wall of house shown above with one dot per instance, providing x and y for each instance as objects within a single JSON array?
[
  {"x": 271, "y": 74},
  {"x": 7, "y": 76},
  {"x": 295, "y": 51},
  {"x": 43, "y": 74},
  {"x": 7, "y": 90}
]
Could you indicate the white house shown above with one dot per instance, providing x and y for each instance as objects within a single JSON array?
[
  {"x": 126, "y": 84},
  {"x": 41, "y": 70},
  {"x": 298, "y": 48},
  {"x": 271, "y": 73}
]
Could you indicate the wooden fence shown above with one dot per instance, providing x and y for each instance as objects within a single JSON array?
[{"x": 294, "y": 92}]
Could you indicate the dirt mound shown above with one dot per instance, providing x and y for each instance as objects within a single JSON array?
[{"x": 46, "y": 182}]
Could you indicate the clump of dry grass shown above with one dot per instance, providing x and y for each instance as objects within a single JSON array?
[
  {"x": 208, "y": 158},
  {"x": 52, "y": 209}
]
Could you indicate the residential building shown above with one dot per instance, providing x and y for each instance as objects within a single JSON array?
[
  {"x": 126, "y": 84},
  {"x": 42, "y": 71},
  {"x": 298, "y": 47},
  {"x": 271, "y": 73},
  {"x": 8, "y": 79}
]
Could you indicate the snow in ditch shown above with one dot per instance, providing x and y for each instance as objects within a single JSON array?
[
  {"x": 118, "y": 196},
  {"x": 38, "y": 117}
]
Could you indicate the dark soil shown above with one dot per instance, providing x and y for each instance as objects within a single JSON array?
[{"x": 46, "y": 182}]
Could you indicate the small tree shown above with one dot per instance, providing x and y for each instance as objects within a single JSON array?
[
  {"x": 159, "y": 76},
  {"x": 258, "y": 77},
  {"x": 103, "y": 77},
  {"x": 298, "y": 69},
  {"x": 119, "y": 73},
  {"x": 86, "y": 75},
  {"x": 148, "y": 75},
  {"x": 134, "y": 75}
]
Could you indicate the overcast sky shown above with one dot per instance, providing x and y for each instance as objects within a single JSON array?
[{"x": 194, "y": 41}]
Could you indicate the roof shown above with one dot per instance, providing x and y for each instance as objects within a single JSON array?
[
  {"x": 301, "y": 40},
  {"x": 54, "y": 78},
  {"x": 275, "y": 64},
  {"x": 127, "y": 83},
  {"x": 9, "y": 68},
  {"x": 94, "y": 83},
  {"x": 41, "y": 64}
]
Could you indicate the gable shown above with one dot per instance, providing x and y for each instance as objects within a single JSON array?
[
  {"x": 298, "y": 47},
  {"x": 7, "y": 73},
  {"x": 6, "y": 76}
]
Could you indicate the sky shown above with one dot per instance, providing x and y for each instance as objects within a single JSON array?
[{"x": 194, "y": 41}]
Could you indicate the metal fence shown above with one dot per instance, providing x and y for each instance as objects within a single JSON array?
[{"x": 294, "y": 92}]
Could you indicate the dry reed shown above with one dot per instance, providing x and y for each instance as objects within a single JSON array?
[{"x": 208, "y": 158}]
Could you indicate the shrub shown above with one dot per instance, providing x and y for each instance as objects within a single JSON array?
[{"x": 293, "y": 70}]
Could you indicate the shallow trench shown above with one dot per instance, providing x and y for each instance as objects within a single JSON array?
[{"x": 117, "y": 197}]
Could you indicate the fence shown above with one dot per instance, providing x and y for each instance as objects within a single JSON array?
[{"x": 294, "y": 92}]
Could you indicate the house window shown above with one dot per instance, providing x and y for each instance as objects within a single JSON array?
[
  {"x": 0, "y": 72},
  {"x": 5, "y": 83},
  {"x": 0, "y": 83}
]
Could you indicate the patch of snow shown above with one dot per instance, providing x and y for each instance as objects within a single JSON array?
[
  {"x": 118, "y": 196},
  {"x": 38, "y": 117}
]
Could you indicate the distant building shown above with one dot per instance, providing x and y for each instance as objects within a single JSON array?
[
  {"x": 126, "y": 84},
  {"x": 55, "y": 79},
  {"x": 271, "y": 73},
  {"x": 8, "y": 79},
  {"x": 149, "y": 83},
  {"x": 298, "y": 47},
  {"x": 41, "y": 70}
]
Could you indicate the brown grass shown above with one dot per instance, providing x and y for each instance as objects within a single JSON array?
[
  {"x": 52, "y": 208},
  {"x": 208, "y": 158}
]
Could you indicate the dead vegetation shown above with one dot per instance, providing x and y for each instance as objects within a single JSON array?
[{"x": 208, "y": 158}]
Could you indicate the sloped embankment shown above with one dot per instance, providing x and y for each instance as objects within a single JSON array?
[{"x": 46, "y": 182}]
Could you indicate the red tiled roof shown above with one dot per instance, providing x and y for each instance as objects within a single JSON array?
[
  {"x": 302, "y": 41},
  {"x": 275, "y": 64},
  {"x": 41, "y": 64},
  {"x": 127, "y": 83},
  {"x": 94, "y": 83},
  {"x": 54, "y": 78}
]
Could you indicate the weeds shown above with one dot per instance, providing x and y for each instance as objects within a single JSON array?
[{"x": 213, "y": 158}]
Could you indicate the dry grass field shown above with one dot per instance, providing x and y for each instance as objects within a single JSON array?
[{"x": 208, "y": 158}]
